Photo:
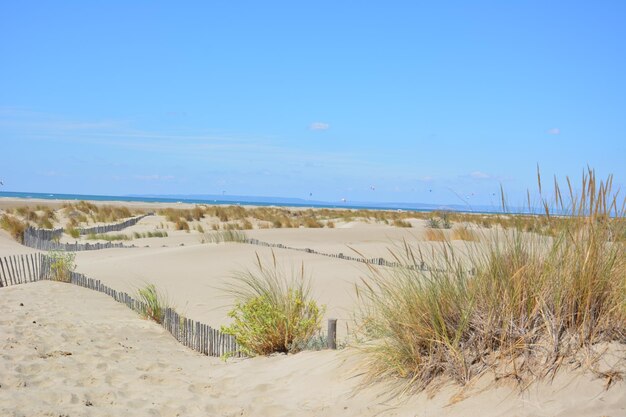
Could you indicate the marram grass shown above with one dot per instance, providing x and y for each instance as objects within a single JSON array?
[
  {"x": 517, "y": 304},
  {"x": 154, "y": 303},
  {"x": 274, "y": 310}
]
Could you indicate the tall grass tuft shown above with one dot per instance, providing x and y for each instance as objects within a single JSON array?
[
  {"x": 107, "y": 237},
  {"x": 518, "y": 305},
  {"x": 464, "y": 233},
  {"x": 14, "y": 226},
  {"x": 435, "y": 235},
  {"x": 228, "y": 235},
  {"x": 155, "y": 303},
  {"x": 274, "y": 311},
  {"x": 401, "y": 223}
]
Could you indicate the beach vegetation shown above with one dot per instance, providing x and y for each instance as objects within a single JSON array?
[
  {"x": 181, "y": 224},
  {"x": 464, "y": 233},
  {"x": 61, "y": 265},
  {"x": 154, "y": 303},
  {"x": 85, "y": 212},
  {"x": 435, "y": 235},
  {"x": 274, "y": 310},
  {"x": 72, "y": 231},
  {"x": 519, "y": 305},
  {"x": 108, "y": 237},
  {"x": 14, "y": 226},
  {"x": 402, "y": 223},
  {"x": 227, "y": 235}
]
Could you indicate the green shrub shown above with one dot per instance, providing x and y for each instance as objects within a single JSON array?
[
  {"x": 434, "y": 223},
  {"x": 154, "y": 303},
  {"x": 274, "y": 311},
  {"x": 61, "y": 265}
]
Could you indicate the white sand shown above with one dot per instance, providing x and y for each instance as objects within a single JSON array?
[{"x": 69, "y": 351}]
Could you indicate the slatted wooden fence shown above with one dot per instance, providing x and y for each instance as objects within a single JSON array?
[
  {"x": 22, "y": 269},
  {"x": 47, "y": 239},
  {"x": 421, "y": 266}
]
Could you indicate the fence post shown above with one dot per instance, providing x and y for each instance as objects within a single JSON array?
[{"x": 332, "y": 334}]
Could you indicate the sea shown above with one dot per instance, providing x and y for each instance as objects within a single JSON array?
[{"x": 252, "y": 201}]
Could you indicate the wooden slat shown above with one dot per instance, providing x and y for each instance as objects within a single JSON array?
[
  {"x": 29, "y": 263},
  {"x": 3, "y": 280},
  {"x": 12, "y": 277}
]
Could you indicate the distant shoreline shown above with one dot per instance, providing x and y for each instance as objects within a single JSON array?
[{"x": 134, "y": 200}]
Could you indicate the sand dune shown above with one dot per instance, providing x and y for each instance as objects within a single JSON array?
[{"x": 68, "y": 351}]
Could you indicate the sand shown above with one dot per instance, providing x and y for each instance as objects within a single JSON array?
[
  {"x": 69, "y": 351},
  {"x": 121, "y": 364}
]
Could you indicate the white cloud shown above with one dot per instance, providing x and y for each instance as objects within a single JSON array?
[
  {"x": 154, "y": 177},
  {"x": 554, "y": 131},
  {"x": 319, "y": 126},
  {"x": 479, "y": 175}
]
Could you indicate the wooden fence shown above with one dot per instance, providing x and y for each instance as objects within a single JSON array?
[
  {"x": 47, "y": 239},
  {"x": 421, "y": 266},
  {"x": 22, "y": 269},
  {"x": 116, "y": 227},
  {"x": 372, "y": 261}
]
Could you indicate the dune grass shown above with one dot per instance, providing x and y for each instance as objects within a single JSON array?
[
  {"x": 84, "y": 212},
  {"x": 107, "y": 237},
  {"x": 464, "y": 233},
  {"x": 274, "y": 311},
  {"x": 228, "y": 235},
  {"x": 532, "y": 302},
  {"x": 14, "y": 226},
  {"x": 155, "y": 303},
  {"x": 434, "y": 235},
  {"x": 402, "y": 223},
  {"x": 144, "y": 235}
]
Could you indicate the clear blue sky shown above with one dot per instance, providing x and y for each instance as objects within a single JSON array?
[{"x": 369, "y": 101}]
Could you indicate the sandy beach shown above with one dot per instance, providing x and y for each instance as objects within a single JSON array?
[{"x": 70, "y": 351}]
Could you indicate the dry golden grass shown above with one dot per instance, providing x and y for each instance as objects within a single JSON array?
[
  {"x": 14, "y": 226},
  {"x": 85, "y": 212},
  {"x": 519, "y": 305},
  {"x": 464, "y": 233},
  {"x": 434, "y": 235},
  {"x": 401, "y": 223}
]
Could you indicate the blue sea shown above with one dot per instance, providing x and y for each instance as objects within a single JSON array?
[{"x": 250, "y": 201}]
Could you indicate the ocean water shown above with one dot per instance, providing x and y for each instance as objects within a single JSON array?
[{"x": 238, "y": 201}]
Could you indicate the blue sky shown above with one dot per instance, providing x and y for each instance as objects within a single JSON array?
[{"x": 438, "y": 102}]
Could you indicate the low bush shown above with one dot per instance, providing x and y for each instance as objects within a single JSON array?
[
  {"x": 62, "y": 265},
  {"x": 274, "y": 311}
]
